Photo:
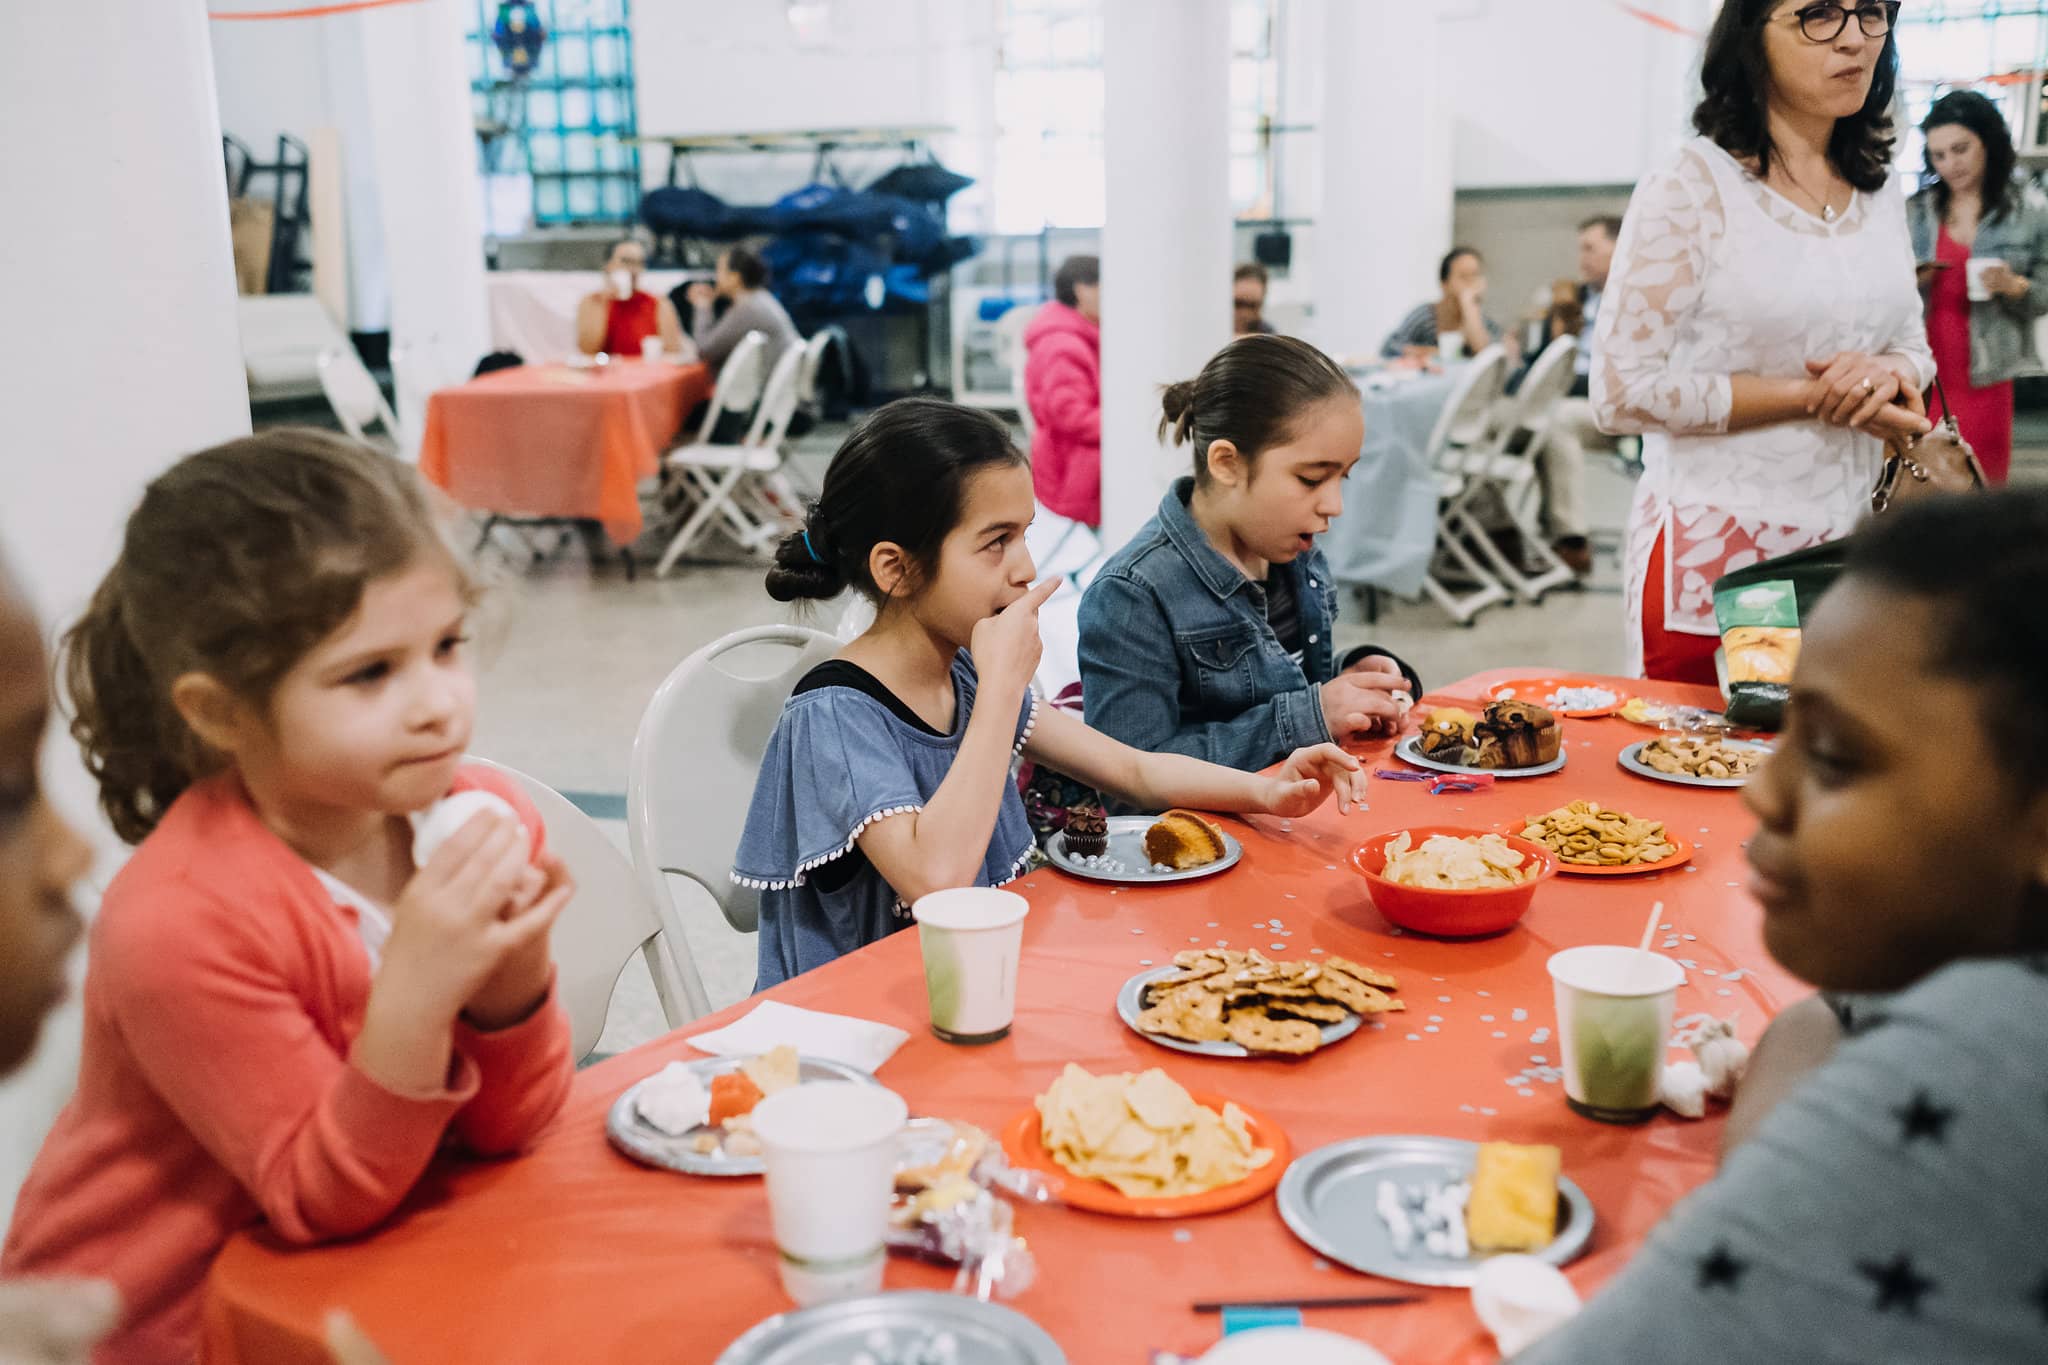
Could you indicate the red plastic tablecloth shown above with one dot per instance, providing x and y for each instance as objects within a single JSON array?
[
  {"x": 555, "y": 441},
  {"x": 574, "y": 1253}
]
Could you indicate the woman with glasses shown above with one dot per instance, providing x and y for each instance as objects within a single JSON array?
[
  {"x": 1761, "y": 328},
  {"x": 1972, "y": 216}
]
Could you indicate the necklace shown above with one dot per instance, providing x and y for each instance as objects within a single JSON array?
[{"x": 1827, "y": 209}]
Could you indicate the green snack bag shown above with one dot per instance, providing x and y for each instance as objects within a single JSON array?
[{"x": 1759, "y": 610}]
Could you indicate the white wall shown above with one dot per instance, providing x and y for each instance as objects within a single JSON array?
[{"x": 126, "y": 262}]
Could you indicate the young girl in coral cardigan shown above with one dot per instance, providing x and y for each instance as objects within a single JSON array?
[{"x": 286, "y": 1017}]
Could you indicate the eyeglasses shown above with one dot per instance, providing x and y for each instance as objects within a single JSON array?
[{"x": 1824, "y": 23}]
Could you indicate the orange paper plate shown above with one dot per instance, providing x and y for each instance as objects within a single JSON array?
[
  {"x": 1681, "y": 855},
  {"x": 1025, "y": 1147},
  {"x": 1536, "y": 689}
]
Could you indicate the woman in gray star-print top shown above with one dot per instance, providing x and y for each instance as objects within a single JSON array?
[{"x": 1882, "y": 1199}]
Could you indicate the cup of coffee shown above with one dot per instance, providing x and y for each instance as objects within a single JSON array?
[
  {"x": 971, "y": 937},
  {"x": 1979, "y": 266},
  {"x": 1614, "y": 1007},
  {"x": 650, "y": 349},
  {"x": 621, "y": 283},
  {"x": 1451, "y": 345},
  {"x": 830, "y": 1150}
]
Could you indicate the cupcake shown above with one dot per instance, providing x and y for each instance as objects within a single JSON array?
[
  {"x": 1518, "y": 734},
  {"x": 1087, "y": 831}
]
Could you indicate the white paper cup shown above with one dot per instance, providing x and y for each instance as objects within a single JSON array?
[
  {"x": 830, "y": 1151},
  {"x": 1976, "y": 269},
  {"x": 1614, "y": 1007},
  {"x": 1451, "y": 345},
  {"x": 972, "y": 937},
  {"x": 650, "y": 348}
]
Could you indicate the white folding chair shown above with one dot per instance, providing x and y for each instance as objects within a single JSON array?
[
  {"x": 814, "y": 361},
  {"x": 1457, "y": 581},
  {"x": 357, "y": 401},
  {"x": 610, "y": 917},
  {"x": 695, "y": 758},
  {"x": 1010, "y": 351},
  {"x": 737, "y": 484},
  {"x": 1504, "y": 469}
]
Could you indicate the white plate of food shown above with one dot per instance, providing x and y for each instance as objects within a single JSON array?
[
  {"x": 1696, "y": 761},
  {"x": 1409, "y": 751},
  {"x": 653, "y": 1135},
  {"x": 1214, "y": 1002},
  {"x": 1141, "y": 850}
]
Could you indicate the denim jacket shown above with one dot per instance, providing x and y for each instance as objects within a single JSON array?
[
  {"x": 1177, "y": 656},
  {"x": 2001, "y": 330}
]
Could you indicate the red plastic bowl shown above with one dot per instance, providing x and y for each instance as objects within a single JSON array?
[{"x": 1450, "y": 914}]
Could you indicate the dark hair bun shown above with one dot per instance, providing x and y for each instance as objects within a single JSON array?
[
  {"x": 797, "y": 574},
  {"x": 1176, "y": 402}
]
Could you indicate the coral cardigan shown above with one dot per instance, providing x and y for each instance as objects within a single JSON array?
[{"x": 223, "y": 990}]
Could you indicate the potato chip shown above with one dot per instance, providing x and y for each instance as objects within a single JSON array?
[
  {"x": 776, "y": 1069},
  {"x": 1144, "y": 1135},
  {"x": 1449, "y": 863}
]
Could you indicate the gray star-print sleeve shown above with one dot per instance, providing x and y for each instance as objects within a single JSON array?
[{"x": 1891, "y": 1209}]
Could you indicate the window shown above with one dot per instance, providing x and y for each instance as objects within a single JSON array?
[
  {"x": 568, "y": 122},
  {"x": 1946, "y": 45},
  {"x": 1048, "y": 112}
]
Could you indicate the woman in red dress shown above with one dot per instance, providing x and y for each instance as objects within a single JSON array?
[
  {"x": 1973, "y": 211},
  {"x": 617, "y": 319}
]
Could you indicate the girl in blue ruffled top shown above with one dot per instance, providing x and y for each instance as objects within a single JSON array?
[{"x": 888, "y": 775}]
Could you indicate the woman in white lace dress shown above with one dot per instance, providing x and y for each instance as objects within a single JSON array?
[{"x": 1762, "y": 326}]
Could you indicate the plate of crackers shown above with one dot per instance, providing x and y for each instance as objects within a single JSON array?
[
  {"x": 1142, "y": 1146},
  {"x": 1702, "y": 761},
  {"x": 1590, "y": 840},
  {"x": 1215, "y": 1002}
]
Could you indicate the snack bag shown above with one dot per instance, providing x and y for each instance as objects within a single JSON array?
[{"x": 1758, "y": 610}]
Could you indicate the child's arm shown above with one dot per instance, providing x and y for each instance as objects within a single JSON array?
[
  {"x": 945, "y": 844},
  {"x": 1155, "y": 781}
]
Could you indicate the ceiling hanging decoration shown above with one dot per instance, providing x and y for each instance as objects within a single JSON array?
[{"x": 519, "y": 35}]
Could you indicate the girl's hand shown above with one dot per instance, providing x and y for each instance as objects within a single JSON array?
[
  {"x": 1850, "y": 389},
  {"x": 1361, "y": 702},
  {"x": 2007, "y": 283},
  {"x": 520, "y": 983},
  {"x": 1006, "y": 647},
  {"x": 450, "y": 927},
  {"x": 1309, "y": 776}
]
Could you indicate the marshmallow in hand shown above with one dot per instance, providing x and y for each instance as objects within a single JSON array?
[{"x": 432, "y": 827}]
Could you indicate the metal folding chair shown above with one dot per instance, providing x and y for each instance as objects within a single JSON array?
[
  {"x": 1457, "y": 581},
  {"x": 1504, "y": 470},
  {"x": 739, "y": 486}
]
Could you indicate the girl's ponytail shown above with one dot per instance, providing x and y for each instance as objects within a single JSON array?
[{"x": 136, "y": 746}]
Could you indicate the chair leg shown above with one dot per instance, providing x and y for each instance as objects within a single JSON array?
[
  {"x": 1551, "y": 572},
  {"x": 694, "y": 527}
]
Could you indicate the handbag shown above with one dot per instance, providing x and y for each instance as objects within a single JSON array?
[{"x": 1939, "y": 462}]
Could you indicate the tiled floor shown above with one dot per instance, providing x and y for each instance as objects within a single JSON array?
[{"x": 570, "y": 659}]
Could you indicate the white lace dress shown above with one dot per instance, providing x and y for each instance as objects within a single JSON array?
[{"x": 1717, "y": 275}]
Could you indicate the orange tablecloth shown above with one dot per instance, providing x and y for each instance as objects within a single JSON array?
[
  {"x": 553, "y": 441},
  {"x": 575, "y": 1253}
]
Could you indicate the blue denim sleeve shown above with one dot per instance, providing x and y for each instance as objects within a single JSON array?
[{"x": 1130, "y": 688}]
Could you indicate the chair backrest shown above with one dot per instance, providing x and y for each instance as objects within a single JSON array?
[
  {"x": 695, "y": 758},
  {"x": 1549, "y": 379},
  {"x": 814, "y": 361},
  {"x": 1010, "y": 352},
  {"x": 739, "y": 382},
  {"x": 778, "y": 399},
  {"x": 610, "y": 918},
  {"x": 357, "y": 401},
  {"x": 1473, "y": 391}
]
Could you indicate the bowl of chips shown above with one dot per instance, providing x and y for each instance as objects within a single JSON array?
[{"x": 1450, "y": 882}]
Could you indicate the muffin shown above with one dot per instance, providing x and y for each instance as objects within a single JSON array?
[
  {"x": 1518, "y": 734},
  {"x": 1182, "y": 839},
  {"x": 1087, "y": 831}
]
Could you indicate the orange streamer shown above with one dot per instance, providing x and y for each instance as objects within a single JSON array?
[{"x": 310, "y": 12}]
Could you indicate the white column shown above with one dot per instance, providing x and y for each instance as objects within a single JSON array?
[
  {"x": 424, "y": 146},
  {"x": 1384, "y": 221},
  {"x": 121, "y": 348},
  {"x": 1166, "y": 235}
]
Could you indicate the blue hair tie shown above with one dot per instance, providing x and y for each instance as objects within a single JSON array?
[{"x": 811, "y": 549}]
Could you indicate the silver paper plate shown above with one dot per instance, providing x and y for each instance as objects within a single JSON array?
[
  {"x": 644, "y": 1142},
  {"x": 1130, "y": 1003},
  {"x": 890, "y": 1326},
  {"x": 1327, "y": 1198},
  {"x": 1127, "y": 845},
  {"x": 1409, "y": 751},
  {"x": 1631, "y": 760}
]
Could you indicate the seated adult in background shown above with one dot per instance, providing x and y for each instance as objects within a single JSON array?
[
  {"x": 742, "y": 284},
  {"x": 1460, "y": 310},
  {"x": 618, "y": 319},
  {"x": 1212, "y": 632},
  {"x": 1063, "y": 385},
  {"x": 1888, "y": 1206},
  {"x": 1971, "y": 208},
  {"x": 1248, "y": 300},
  {"x": 1562, "y": 465}
]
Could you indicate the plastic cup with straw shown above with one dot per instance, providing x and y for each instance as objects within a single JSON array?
[{"x": 1614, "y": 1008}]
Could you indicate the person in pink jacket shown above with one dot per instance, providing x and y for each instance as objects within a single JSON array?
[{"x": 1063, "y": 384}]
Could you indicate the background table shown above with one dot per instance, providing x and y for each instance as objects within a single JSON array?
[
  {"x": 1387, "y": 532},
  {"x": 556, "y": 441},
  {"x": 574, "y": 1253},
  {"x": 533, "y": 312}
]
